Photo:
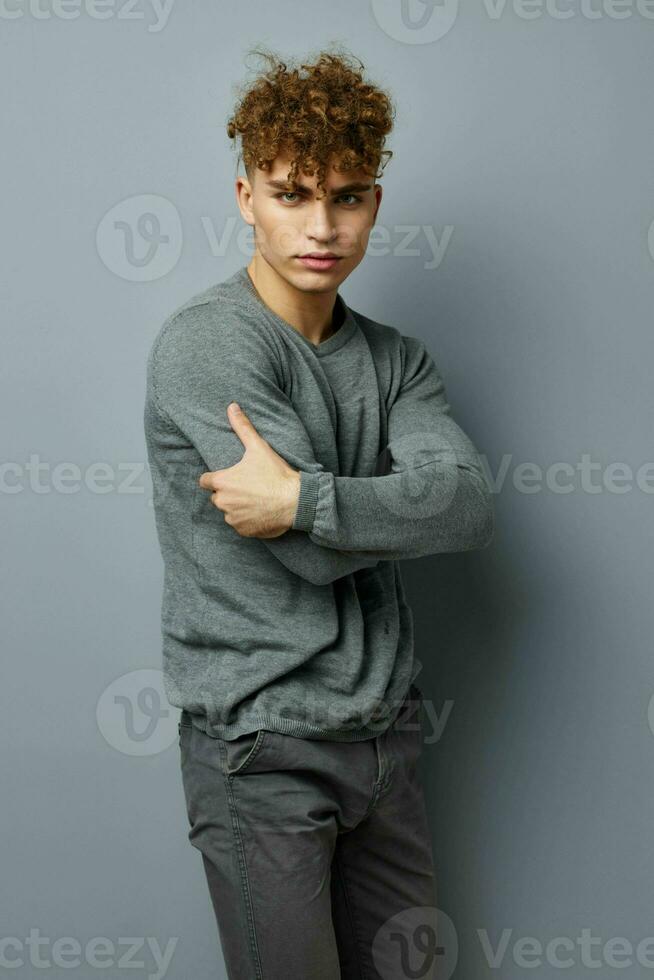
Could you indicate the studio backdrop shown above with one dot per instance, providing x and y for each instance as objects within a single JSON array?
[{"x": 516, "y": 239}]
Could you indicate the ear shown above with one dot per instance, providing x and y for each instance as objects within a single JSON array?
[
  {"x": 244, "y": 196},
  {"x": 379, "y": 191}
]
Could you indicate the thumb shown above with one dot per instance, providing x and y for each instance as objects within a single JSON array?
[{"x": 241, "y": 425}]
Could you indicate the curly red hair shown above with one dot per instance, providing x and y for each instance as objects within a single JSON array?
[{"x": 314, "y": 112}]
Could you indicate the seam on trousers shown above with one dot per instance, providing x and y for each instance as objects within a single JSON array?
[
  {"x": 247, "y": 895},
  {"x": 351, "y": 911}
]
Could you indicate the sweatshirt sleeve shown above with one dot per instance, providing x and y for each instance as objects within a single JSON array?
[
  {"x": 199, "y": 363},
  {"x": 435, "y": 496}
]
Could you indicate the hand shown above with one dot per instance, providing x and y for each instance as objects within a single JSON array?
[{"x": 259, "y": 494}]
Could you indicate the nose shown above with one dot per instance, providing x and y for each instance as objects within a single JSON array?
[{"x": 320, "y": 224}]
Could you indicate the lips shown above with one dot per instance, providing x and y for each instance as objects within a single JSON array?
[{"x": 319, "y": 263}]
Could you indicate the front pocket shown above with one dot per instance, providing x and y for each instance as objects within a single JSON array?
[
  {"x": 185, "y": 733},
  {"x": 239, "y": 753}
]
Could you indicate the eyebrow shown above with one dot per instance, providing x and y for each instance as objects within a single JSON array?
[{"x": 284, "y": 185}]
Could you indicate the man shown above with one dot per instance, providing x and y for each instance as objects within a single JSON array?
[{"x": 298, "y": 451}]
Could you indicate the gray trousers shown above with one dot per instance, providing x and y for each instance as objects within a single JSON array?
[{"x": 317, "y": 853}]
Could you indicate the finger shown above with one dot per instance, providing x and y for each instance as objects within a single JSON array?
[
  {"x": 211, "y": 479},
  {"x": 241, "y": 424}
]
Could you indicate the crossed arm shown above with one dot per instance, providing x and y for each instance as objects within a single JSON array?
[{"x": 434, "y": 499}]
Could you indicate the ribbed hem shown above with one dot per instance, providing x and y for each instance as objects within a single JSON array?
[
  {"x": 307, "y": 500},
  {"x": 252, "y": 721},
  {"x": 290, "y": 726}
]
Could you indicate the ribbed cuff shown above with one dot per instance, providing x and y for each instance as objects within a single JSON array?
[{"x": 306, "y": 504}]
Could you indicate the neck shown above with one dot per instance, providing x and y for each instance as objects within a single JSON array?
[{"x": 312, "y": 314}]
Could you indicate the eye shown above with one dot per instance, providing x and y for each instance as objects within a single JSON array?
[{"x": 284, "y": 195}]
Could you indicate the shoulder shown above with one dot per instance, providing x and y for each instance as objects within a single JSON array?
[
  {"x": 214, "y": 322},
  {"x": 387, "y": 342},
  {"x": 383, "y": 336}
]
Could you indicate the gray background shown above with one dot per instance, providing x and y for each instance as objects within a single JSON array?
[{"x": 532, "y": 139}]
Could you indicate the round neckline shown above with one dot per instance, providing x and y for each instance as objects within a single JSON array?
[{"x": 334, "y": 342}]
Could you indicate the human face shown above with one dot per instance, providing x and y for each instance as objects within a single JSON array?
[{"x": 290, "y": 224}]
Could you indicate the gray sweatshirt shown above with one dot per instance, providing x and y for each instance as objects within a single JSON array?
[{"x": 309, "y": 633}]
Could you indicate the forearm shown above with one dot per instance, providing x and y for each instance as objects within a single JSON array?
[
  {"x": 430, "y": 509},
  {"x": 313, "y": 561},
  {"x": 306, "y": 558}
]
